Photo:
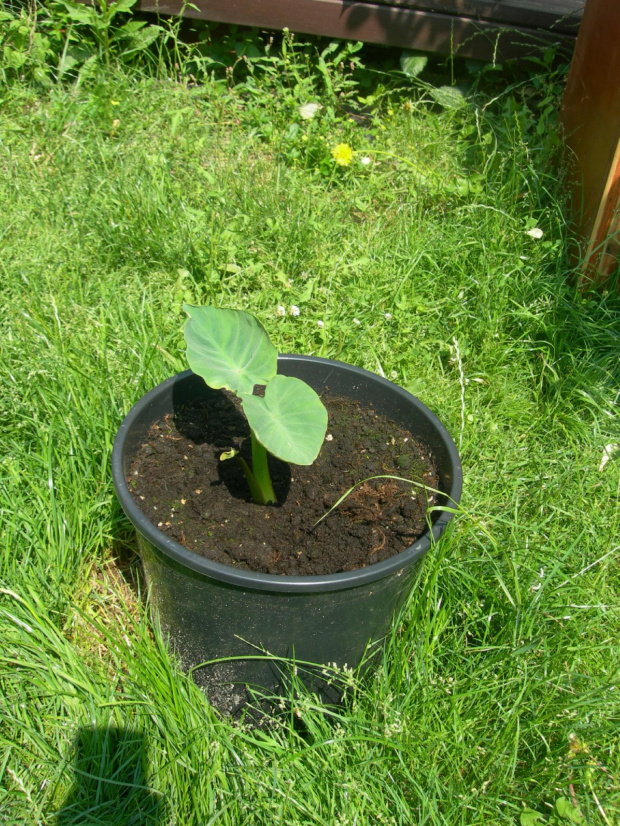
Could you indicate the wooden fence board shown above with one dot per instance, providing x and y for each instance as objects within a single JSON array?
[
  {"x": 591, "y": 117},
  {"x": 394, "y": 25},
  {"x": 556, "y": 15}
]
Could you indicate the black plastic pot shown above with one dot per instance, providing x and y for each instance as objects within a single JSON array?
[{"x": 211, "y": 611}]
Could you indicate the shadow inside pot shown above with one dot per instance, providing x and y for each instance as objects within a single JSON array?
[{"x": 215, "y": 418}]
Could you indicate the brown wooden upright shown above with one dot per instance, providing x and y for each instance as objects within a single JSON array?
[{"x": 591, "y": 117}]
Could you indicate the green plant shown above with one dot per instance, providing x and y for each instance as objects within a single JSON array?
[
  {"x": 564, "y": 812},
  {"x": 55, "y": 40},
  {"x": 230, "y": 349},
  {"x": 111, "y": 38},
  {"x": 25, "y": 44}
]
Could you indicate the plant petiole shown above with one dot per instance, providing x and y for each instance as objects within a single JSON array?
[
  {"x": 260, "y": 473},
  {"x": 257, "y": 476}
]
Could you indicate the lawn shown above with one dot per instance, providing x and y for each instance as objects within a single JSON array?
[{"x": 436, "y": 255}]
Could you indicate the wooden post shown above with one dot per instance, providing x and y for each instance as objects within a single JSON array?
[{"x": 591, "y": 118}]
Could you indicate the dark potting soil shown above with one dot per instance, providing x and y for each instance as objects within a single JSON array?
[{"x": 181, "y": 485}]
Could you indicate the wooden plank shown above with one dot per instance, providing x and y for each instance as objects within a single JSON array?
[
  {"x": 373, "y": 23},
  {"x": 562, "y": 16},
  {"x": 591, "y": 118}
]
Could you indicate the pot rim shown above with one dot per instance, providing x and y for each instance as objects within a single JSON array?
[{"x": 279, "y": 582}]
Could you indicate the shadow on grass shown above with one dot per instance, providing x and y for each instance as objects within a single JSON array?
[{"x": 109, "y": 781}]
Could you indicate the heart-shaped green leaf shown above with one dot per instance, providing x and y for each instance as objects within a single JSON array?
[
  {"x": 412, "y": 63},
  {"x": 290, "y": 420},
  {"x": 567, "y": 811},
  {"x": 450, "y": 97},
  {"x": 530, "y": 817},
  {"x": 229, "y": 348}
]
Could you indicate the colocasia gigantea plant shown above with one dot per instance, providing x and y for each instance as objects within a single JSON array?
[{"x": 230, "y": 349}]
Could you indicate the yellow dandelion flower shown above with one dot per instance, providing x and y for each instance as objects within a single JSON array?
[{"x": 342, "y": 154}]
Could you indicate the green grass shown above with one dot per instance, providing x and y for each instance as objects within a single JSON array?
[{"x": 125, "y": 196}]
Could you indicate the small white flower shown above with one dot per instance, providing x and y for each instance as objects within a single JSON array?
[
  {"x": 294, "y": 310},
  {"x": 320, "y": 324},
  {"x": 393, "y": 374},
  {"x": 535, "y": 233},
  {"x": 280, "y": 311},
  {"x": 356, "y": 321},
  {"x": 365, "y": 160},
  {"x": 309, "y": 110},
  {"x": 388, "y": 316}
]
